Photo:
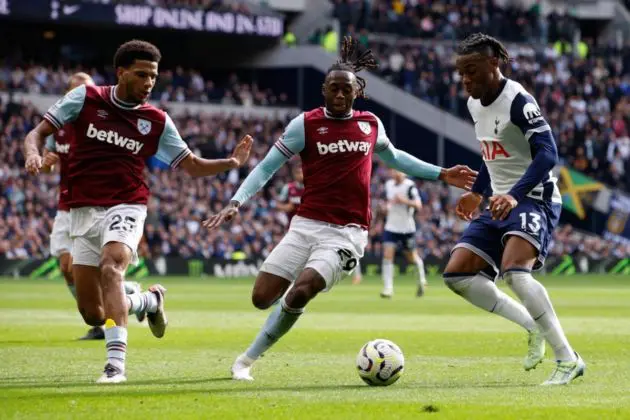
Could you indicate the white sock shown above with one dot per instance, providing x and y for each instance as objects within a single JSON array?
[
  {"x": 484, "y": 293},
  {"x": 535, "y": 298},
  {"x": 116, "y": 345},
  {"x": 140, "y": 302},
  {"x": 420, "y": 267},
  {"x": 387, "y": 271}
]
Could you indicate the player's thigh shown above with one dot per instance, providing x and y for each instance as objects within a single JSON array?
[
  {"x": 338, "y": 253},
  {"x": 65, "y": 265},
  {"x": 478, "y": 247},
  {"x": 464, "y": 260},
  {"x": 60, "y": 240},
  {"x": 518, "y": 253},
  {"x": 288, "y": 258},
  {"x": 268, "y": 288},
  {"x": 306, "y": 287},
  {"x": 121, "y": 232},
  {"x": 527, "y": 234}
]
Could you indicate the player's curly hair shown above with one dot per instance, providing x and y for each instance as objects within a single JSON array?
[
  {"x": 353, "y": 60},
  {"x": 480, "y": 43},
  {"x": 134, "y": 50}
]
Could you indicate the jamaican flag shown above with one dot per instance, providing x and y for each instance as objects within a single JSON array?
[{"x": 577, "y": 190}]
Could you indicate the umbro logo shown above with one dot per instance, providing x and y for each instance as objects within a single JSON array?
[{"x": 322, "y": 130}]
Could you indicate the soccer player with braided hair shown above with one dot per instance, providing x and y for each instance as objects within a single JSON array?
[
  {"x": 511, "y": 237},
  {"x": 329, "y": 233}
]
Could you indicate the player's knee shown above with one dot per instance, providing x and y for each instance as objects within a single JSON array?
[
  {"x": 454, "y": 281},
  {"x": 261, "y": 300},
  {"x": 111, "y": 273},
  {"x": 303, "y": 292},
  {"x": 93, "y": 315}
]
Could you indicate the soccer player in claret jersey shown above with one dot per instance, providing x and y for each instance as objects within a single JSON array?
[
  {"x": 116, "y": 130},
  {"x": 329, "y": 232},
  {"x": 512, "y": 236},
  {"x": 291, "y": 193},
  {"x": 57, "y": 151},
  {"x": 403, "y": 200}
]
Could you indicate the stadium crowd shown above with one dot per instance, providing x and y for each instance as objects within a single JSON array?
[
  {"x": 450, "y": 20},
  {"x": 177, "y": 85},
  {"x": 179, "y": 203}
]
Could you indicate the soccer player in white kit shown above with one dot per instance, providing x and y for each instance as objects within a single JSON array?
[
  {"x": 403, "y": 200},
  {"x": 512, "y": 236}
]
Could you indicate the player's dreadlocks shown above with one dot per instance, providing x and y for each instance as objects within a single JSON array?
[
  {"x": 481, "y": 43},
  {"x": 134, "y": 50},
  {"x": 353, "y": 60}
]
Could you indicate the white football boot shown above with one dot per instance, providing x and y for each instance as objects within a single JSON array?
[
  {"x": 241, "y": 368},
  {"x": 111, "y": 375},
  {"x": 536, "y": 350},
  {"x": 565, "y": 372}
]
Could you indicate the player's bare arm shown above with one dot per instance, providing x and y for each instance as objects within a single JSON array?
[
  {"x": 50, "y": 160},
  {"x": 196, "y": 166},
  {"x": 400, "y": 199},
  {"x": 467, "y": 205},
  {"x": 33, "y": 141}
]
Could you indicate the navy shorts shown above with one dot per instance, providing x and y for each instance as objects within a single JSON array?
[
  {"x": 532, "y": 220},
  {"x": 403, "y": 241}
]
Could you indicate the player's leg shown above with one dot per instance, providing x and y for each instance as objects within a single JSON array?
[
  {"x": 470, "y": 276},
  {"x": 358, "y": 275},
  {"x": 412, "y": 256},
  {"x": 120, "y": 233},
  {"x": 519, "y": 258},
  {"x": 278, "y": 272},
  {"x": 387, "y": 266}
]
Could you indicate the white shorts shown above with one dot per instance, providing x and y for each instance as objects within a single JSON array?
[
  {"x": 60, "y": 241},
  {"x": 93, "y": 227},
  {"x": 331, "y": 250}
]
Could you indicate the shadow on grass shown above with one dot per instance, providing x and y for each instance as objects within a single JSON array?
[{"x": 156, "y": 387}]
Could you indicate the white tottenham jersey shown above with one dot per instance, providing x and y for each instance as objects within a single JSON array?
[
  {"x": 504, "y": 128},
  {"x": 400, "y": 217}
]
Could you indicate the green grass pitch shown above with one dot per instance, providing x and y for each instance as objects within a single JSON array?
[{"x": 461, "y": 363}]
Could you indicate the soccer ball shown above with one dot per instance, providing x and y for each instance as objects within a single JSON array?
[{"x": 380, "y": 362}]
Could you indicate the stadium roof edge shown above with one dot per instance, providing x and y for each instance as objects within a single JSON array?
[{"x": 380, "y": 91}]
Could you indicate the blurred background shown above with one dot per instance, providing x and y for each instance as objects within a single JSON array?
[{"x": 237, "y": 67}]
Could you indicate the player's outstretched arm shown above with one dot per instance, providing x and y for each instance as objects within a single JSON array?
[
  {"x": 33, "y": 141},
  {"x": 460, "y": 176},
  {"x": 291, "y": 142},
  {"x": 256, "y": 179},
  {"x": 196, "y": 166}
]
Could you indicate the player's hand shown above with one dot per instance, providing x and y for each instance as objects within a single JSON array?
[
  {"x": 242, "y": 149},
  {"x": 50, "y": 160},
  {"x": 398, "y": 199},
  {"x": 501, "y": 206},
  {"x": 460, "y": 176},
  {"x": 467, "y": 205},
  {"x": 224, "y": 216},
  {"x": 33, "y": 163}
]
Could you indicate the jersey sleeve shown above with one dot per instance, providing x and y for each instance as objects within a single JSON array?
[
  {"x": 413, "y": 192},
  {"x": 293, "y": 139},
  {"x": 50, "y": 143},
  {"x": 66, "y": 109},
  {"x": 526, "y": 115},
  {"x": 172, "y": 149},
  {"x": 291, "y": 142},
  {"x": 382, "y": 141},
  {"x": 284, "y": 193}
]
